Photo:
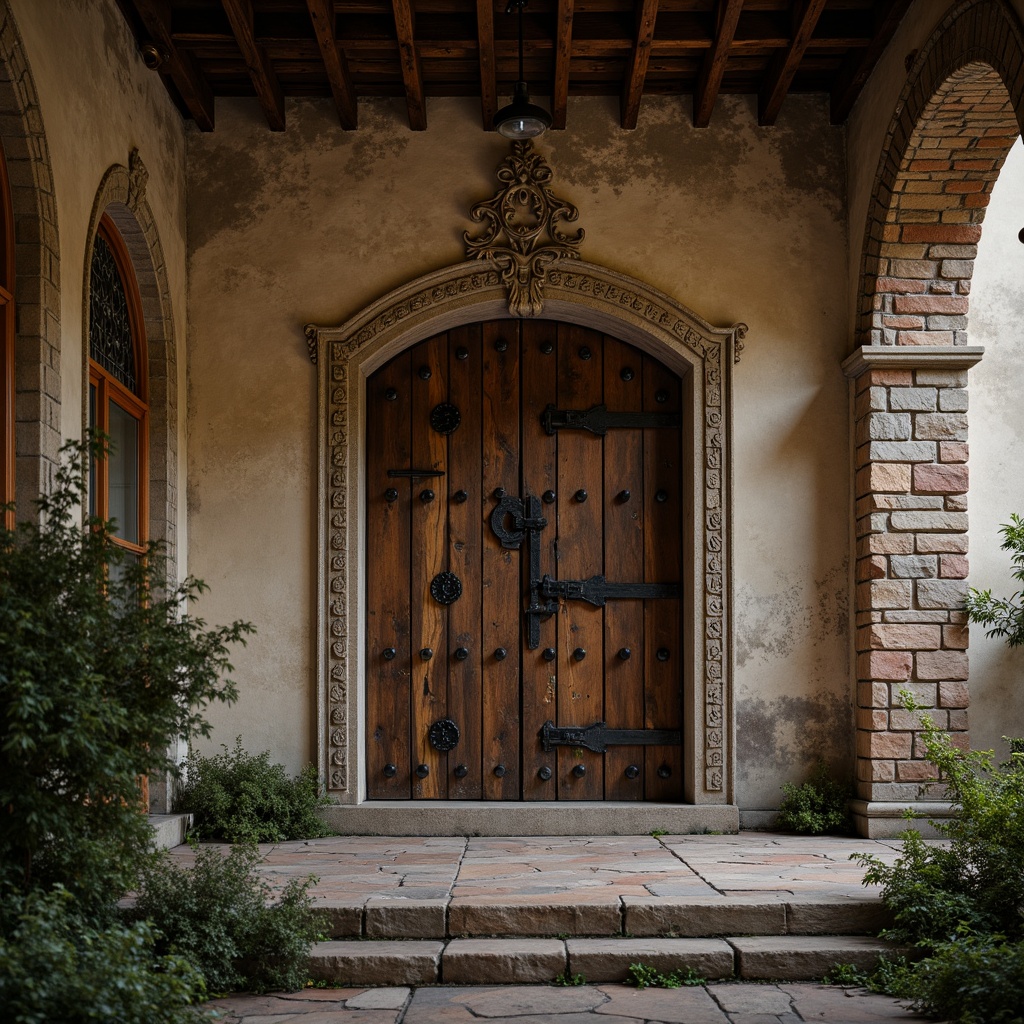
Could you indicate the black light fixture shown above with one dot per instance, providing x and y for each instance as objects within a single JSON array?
[{"x": 521, "y": 119}]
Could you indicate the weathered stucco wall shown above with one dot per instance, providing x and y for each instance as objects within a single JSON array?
[
  {"x": 997, "y": 426},
  {"x": 97, "y": 102},
  {"x": 737, "y": 222}
]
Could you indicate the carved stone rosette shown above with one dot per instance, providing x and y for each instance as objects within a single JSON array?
[{"x": 524, "y": 229}]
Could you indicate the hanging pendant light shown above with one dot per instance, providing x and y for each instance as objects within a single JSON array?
[{"x": 521, "y": 119}]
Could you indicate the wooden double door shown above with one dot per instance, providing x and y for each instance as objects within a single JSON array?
[{"x": 524, "y": 569}]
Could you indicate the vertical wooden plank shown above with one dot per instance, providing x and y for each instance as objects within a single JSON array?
[
  {"x": 580, "y": 528},
  {"x": 539, "y": 452},
  {"x": 500, "y": 568},
  {"x": 388, "y": 433},
  {"x": 465, "y": 524},
  {"x": 623, "y": 563},
  {"x": 429, "y": 557},
  {"x": 663, "y": 564}
]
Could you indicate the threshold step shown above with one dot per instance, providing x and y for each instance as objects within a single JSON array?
[
  {"x": 356, "y": 963},
  {"x": 610, "y": 959}
]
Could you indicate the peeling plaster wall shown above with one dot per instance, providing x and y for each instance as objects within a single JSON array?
[
  {"x": 737, "y": 222},
  {"x": 97, "y": 101},
  {"x": 997, "y": 427}
]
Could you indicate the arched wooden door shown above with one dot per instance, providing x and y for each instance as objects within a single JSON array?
[{"x": 523, "y": 568}]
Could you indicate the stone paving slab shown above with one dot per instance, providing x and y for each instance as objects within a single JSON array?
[
  {"x": 489, "y": 961},
  {"x": 402, "y": 962},
  {"x": 727, "y": 1003},
  {"x": 610, "y": 959},
  {"x": 533, "y": 915},
  {"x": 704, "y": 915},
  {"x": 799, "y": 957}
]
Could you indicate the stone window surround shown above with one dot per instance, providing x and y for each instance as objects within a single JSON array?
[{"x": 591, "y": 296}]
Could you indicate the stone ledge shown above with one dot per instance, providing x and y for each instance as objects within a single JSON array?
[
  {"x": 911, "y": 357},
  {"x": 481, "y": 915},
  {"x": 702, "y": 916},
  {"x": 169, "y": 830},
  {"x": 486, "y": 818},
  {"x": 880, "y": 820},
  {"x": 502, "y": 961},
  {"x": 799, "y": 958},
  {"x": 376, "y": 963},
  {"x": 609, "y": 959}
]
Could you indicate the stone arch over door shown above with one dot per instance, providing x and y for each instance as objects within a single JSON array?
[
  {"x": 956, "y": 119},
  {"x": 37, "y": 272},
  {"x": 591, "y": 296}
]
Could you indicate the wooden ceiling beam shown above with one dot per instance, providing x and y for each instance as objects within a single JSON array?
[
  {"x": 713, "y": 69},
  {"x": 563, "y": 58},
  {"x": 264, "y": 81},
  {"x": 412, "y": 73},
  {"x": 178, "y": 65},
  {"x": 783, "y": 67},
  {"x": 488, "y": 68},
  {"x": 633, "y": 87},
  {"x": 321, "y": 14},
  {"x": 859, "y": 64}
]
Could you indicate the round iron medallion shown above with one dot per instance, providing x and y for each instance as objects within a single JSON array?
[
  {"x": 446, "y": 588},
  {"x": 444, "y": 735},
  {"x": 445, "y": 418}
]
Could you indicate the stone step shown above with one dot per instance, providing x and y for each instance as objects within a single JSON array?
[
  {"x": 640, "y": 916},
  {"x": 466, "y": 961}
]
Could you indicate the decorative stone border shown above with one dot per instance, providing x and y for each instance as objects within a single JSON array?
[{"x": 576, "y": 292}]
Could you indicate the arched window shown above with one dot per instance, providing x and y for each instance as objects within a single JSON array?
[
  {"x": 118, "y": 390},
  {"x": 7, "y": 454}
]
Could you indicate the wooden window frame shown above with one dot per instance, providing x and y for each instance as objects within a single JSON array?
[
  {"x": 110, "y": 389},
  {"x": 8, "y": 452}
]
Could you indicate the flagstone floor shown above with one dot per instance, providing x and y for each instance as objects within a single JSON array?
[{"x": 727, "y": 1003}]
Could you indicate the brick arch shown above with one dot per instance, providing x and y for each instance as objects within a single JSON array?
[
  {"x": 956, "y": 120},
  {"x": 121, "y": 196},
  {"x": 37, "y": 272}
]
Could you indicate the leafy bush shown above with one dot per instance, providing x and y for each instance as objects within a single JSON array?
[
  {"x": 99, "y": 670},
  {"x": 56, "y": 965},
  {"x": 243, "y": 798},
  {"x": 817, "y": 807},
  {"x": 962, "y": 905},
  {"x": 219, "y": 916},
  {"x": 644, "y": 976},
  {"x": 1003, "y": 616}
]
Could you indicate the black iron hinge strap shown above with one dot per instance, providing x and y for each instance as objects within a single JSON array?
[
  {"x": 598, "y": 737},
  {"x": 598, "y": 420},
  {"x": 597, "y": 590}
]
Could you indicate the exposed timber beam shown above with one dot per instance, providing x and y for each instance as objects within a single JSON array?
[
  {"x": 321, "y": 13},
  {"x": 782, "y": 69},
  {"x": 488, "y": 71},
  {"x": 268, "y": 88},
  {"x": 412, "y": 74},
  {"x": 563, "y": 57},
  {"x": 633, "y": 87},
  {"x": 713, "y": 69},
  {"x": 178, "y": 65},
  {"x": 859, "y": 64}
]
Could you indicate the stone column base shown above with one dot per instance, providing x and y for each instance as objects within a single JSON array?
[{"x": 876, "y": 820}]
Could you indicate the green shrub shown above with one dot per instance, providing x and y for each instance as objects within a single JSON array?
[
  {"x": 1003, "y": 616},
  {"x": 243, "y": 798},
  {"x": 94, "y": 684},
  {"x": 816, "y": 807},
  {"x": 962, "y": 904},
  {"x": 218, "y": 914},
  {"x": 645, "y": 976},
  {"x": 56, "y": 965},
  {"x": 975, "y": 979}
]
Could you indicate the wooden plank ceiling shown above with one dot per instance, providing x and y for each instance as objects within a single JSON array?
[{"x": 350, "y": 49}]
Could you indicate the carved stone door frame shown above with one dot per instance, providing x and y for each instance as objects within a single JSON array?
[{"x": 591, "y": 296}]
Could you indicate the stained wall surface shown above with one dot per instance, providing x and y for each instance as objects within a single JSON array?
[
  {"x": 997, "y": 426},
  {"x": 97, "y": 101},
  {"x": 736, "y": 222}
]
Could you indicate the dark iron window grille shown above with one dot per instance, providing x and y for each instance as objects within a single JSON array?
[{"x": 110, "y": 329}]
